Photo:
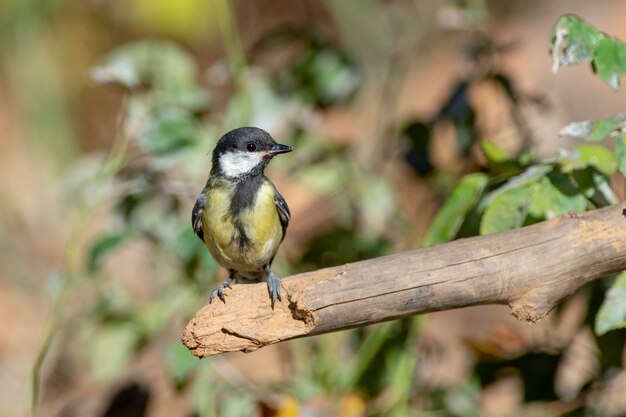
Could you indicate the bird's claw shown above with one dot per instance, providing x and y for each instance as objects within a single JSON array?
[
  {"x": 273, "y": 287},
  {"x": 219, "y": 292}
]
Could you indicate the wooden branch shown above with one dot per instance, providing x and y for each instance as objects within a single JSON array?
[{"x": 531, "y": 269}]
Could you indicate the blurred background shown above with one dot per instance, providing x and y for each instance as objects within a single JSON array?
[{"x": 108, "y": 113}]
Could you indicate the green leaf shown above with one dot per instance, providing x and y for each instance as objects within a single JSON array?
[
  {"x": 506, "y": 211},
  {"x": 620, "y": 150},
  {"x": 610, "y": 60},
  {"x": 111, "y": 348},
  {"x": 573, "y": 41},
  {"x": 595, "y": 130},
  {"x": 501, "y": 163},
  {"x": 612, "y": 313},
  {"x": 549, "y": 201},
  {"x": 180, "y": 364},
  {"x": 451, "y": 216},
  {"x": 494, "y": 153},
  {"x": 583, "y": 156},
  {"x": 594, "y": 185},
  {"x": 604, "y": 189},
  {"x": 530, "y": 176},
  {"x": 101, "y": 248}
]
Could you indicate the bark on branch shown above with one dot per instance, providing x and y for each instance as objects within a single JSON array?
[{"x": 531, "y": 269}]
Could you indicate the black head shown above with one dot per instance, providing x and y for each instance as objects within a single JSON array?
[{"x": 245, "y": 151}]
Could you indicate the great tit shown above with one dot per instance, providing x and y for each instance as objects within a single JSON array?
[{"x": 240, "y": 215}]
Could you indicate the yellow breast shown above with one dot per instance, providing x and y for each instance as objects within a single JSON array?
[{"x": 248, "y": 240}]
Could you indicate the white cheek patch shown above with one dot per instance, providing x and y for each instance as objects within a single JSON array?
[{"x": 236, "y": 163}]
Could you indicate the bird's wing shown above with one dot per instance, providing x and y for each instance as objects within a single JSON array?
[
  {"x": 283, "y": 211},
  {"x": 196, "y": 216}
]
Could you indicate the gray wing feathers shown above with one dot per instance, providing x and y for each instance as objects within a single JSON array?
[
  {"x": 283, "y": 211},
  {"x": 196, "y": 216}
]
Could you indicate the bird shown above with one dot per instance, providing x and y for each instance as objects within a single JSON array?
[{"x": 240, "y": 216}]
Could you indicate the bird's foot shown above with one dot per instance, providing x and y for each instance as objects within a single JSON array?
[
  {"x": 273, "y": 286},
  {"x": 219, "y": 292}
]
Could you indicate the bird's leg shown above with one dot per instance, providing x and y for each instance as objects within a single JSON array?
[
  {"x": 273, "y": 285},
  {"x": 220, "y": 289}
]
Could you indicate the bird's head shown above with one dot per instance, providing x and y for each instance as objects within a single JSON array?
[{"x": 245, "y": 151}]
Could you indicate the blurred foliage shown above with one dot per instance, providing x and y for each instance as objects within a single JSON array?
[
  {"x": 319, "y": 74},
  {"x": 574, "y": 41},
  {"x": 527, "y": 192},
  {"x": 169, "y": 122},
  {"x": 596, "y": 130},
  {"x": 460, "y": 202},
  {"x": 165, "y": 121},
  {"x": 574, "y": 181},
  {"x": 612, "y": 313}
]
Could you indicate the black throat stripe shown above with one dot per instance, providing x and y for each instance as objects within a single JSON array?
[{"x": 245, "y": 194}]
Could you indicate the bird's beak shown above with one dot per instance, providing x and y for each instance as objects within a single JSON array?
[{"x": 278, "y": 148}]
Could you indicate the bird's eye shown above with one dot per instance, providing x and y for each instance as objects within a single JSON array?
[{"x": 251, "y": 147}]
